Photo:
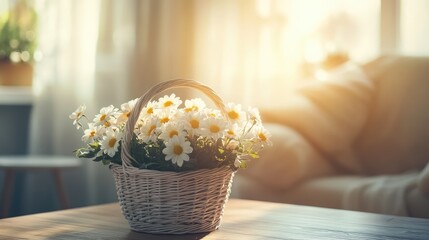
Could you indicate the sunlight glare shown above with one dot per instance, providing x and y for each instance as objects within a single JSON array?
[
  {"x": 313, "y": 52},
  {"x": 263, "y": 8}
]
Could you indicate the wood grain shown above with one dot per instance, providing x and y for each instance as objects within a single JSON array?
[{"x": 243, "y": 219}]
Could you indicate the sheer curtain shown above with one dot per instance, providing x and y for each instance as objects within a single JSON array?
[
  {"x": 260, "y": 47},
  {"x": 107, "y": 52},
  {"x": 98, "y": 53},
  {"x": 71, "y": 74}
]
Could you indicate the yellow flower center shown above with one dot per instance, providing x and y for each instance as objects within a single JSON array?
[
  {"x": 230, "y": 132},
  {"x": 164, "y": 120},
  {"x": 149, "y": 132},
  {"x": 190, "y": 109},
  {"x": 214, "y": 129},
  {"x": 107, "y": 124},
  {"x": 194, "y": 123},
  {"x": 262, "y": 137},
  {"x": 173, "y": 133},
  {"x": 168, "y": 103},
  {"x": 233, "y": 115},
  {"x": 92, "y": 134},
  {"x": 177, "y": 149},
  {"x": 102, "y": 117},
  {"x": 128, "y": 114},
  {"x": 149, "y": 110},
  {"x": 112, "y": 142}
]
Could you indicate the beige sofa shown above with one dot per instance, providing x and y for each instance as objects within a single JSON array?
[{"x": 358, "y": 141}]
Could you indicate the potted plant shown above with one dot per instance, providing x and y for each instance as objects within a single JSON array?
[{"x": 18, "y": 41}]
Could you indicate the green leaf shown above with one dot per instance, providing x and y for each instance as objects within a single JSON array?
[
  {"x": 243, "y": 164},
  {"x": 253, "y": 155}
]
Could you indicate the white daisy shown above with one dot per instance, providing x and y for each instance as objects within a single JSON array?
[
  {"x": 253, "y": 115},
  {"x": 212, "y": 113},
  {"x": 171, "y": 129},
  {"x": 233, "y": 131},
  {"x": 167, "y": 115},
  {"x": 214, "y": 128},
  {"x": 125, "y": 111},
  {"x": 147, "y": 131},
  {"x": 77, "y": 115},
  {"x": 110, "y": 142},
  {"x": 237, "y": 162},
  {"x": 92, "y": 133},
  {"x": 193, "y": 122},
  {"x": 105, "y": 116},
  {"x": 169, "y": 101},
  {"x": 177, "y": 150},
  {"x": 194, "y": 105},
  {"x": 234, "y": 112},
  {"x": 262, "y": 135},
  {"x": 149, "y": 109}
]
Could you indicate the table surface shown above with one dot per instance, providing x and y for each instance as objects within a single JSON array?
[
  {"x": 243, "y": 219},
  {"x": 38, "y": 162}
]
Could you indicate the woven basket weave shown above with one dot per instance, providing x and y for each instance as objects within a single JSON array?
[{"x": 163, "y": 202}]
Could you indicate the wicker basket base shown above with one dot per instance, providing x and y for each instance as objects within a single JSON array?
[{"x": 173, "y": 203}]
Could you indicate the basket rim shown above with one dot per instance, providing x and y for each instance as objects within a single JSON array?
[{"x": 152, "y": 171}]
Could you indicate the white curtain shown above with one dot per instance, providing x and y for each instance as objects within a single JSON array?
[
  {"x": 68, "y": 76},
  {"x": 107, "y": 52}
]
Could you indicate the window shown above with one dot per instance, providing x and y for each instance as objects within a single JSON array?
[{"x": 414, "y": 28}]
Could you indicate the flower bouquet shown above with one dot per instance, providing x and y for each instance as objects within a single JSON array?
[{"x": 173, "y": 165}]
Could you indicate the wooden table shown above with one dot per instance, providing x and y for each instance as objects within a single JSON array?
[{"x": 243, "y": 219}]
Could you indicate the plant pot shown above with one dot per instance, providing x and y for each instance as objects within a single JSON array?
[{"x": 16, "y": 74}]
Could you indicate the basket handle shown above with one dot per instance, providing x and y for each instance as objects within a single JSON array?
[{"x": 127, "y": 159}]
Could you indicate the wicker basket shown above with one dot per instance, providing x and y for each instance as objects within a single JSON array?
[{"x": 170, "y": 202}]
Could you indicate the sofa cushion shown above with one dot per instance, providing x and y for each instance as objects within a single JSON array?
[
  {"x": 289, "y": 161},
  {"x": 387, "y": 194},
  {"x": 330, "y": 114},
  {"x": 395, "y": 137}
]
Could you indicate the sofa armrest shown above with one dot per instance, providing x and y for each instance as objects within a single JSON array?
[
  {"x": 290, "y": 160},
  {"x": 417, "y": 204},
  {"x": 423, "y": 182}
]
